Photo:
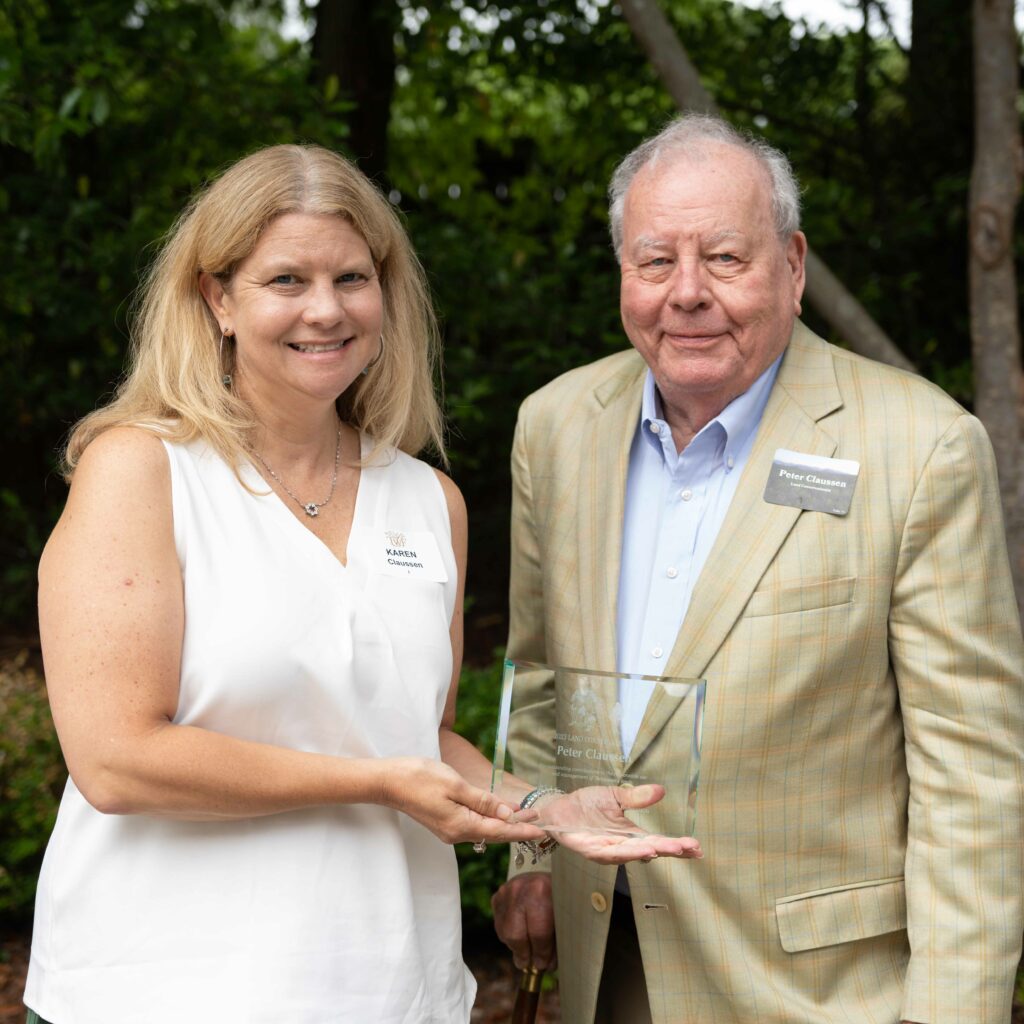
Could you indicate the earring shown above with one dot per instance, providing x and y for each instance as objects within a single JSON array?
[
  {"x": 376, "y": 359},
  {"x": 226, "y": 379}
]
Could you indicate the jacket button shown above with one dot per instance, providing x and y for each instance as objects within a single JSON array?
[{"x": 598, "y": 902}]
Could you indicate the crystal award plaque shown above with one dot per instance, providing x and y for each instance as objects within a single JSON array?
[{"x": 562, "y": 728}]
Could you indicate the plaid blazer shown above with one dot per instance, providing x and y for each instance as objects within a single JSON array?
[{"x": 860, "y": 803}]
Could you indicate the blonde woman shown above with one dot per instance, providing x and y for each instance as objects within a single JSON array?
[{"x": 251, "y": 623}]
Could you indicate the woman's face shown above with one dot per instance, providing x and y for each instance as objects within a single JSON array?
[{"x": 305, "y": 308}]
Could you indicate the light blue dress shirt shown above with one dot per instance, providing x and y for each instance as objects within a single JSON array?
[{"x": 675, "y": 506}]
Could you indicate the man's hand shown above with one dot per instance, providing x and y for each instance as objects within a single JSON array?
[
  {"x": 592, "y": 821},
  {"x": 524, "y": 919}
]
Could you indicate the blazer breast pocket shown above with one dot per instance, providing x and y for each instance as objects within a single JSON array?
[
  {"x": 828, "y": 917},
  {"x": 801, "y": 597}
]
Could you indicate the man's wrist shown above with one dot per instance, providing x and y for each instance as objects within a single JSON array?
[{"x": 536, "y": 849}]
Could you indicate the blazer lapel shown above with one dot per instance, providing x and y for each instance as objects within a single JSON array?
[
  {"x": 753, "y": 530},
  {"x": 604, "y": 464}
]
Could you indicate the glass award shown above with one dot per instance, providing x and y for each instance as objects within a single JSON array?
[{"x": 563, "y": 728}]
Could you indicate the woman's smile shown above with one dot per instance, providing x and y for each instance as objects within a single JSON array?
[{"x": 318, "y": 347}]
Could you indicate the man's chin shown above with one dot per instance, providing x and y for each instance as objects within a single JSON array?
[{"x": 698, "y": 373}]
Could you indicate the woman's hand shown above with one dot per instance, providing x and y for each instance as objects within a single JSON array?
[
  {"x": 439, "y": 798},
  {"x": 591, "y": 821}
]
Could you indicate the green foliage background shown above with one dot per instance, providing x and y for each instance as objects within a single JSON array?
[
  {"x": 506, "y": 123},
  {"x": 32, "y": 778}
]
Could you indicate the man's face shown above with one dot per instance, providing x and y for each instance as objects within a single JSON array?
[{"x": 709, "y": 290}]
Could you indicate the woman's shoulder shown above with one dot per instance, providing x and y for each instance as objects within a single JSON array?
[
  {"x": 123, "y": 454},
  {"x": 120, "y": 500},
  {"x": 149, "y": 449},
  {"x": 452, "y": 496},
  {"x": 421, "y": 473},
  {"x": 122, "y": 474}
]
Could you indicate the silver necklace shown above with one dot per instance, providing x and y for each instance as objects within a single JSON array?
[{"x": 311, "y": 508}]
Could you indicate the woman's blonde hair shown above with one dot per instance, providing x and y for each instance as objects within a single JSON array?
[{"x": 174, "y": 374}]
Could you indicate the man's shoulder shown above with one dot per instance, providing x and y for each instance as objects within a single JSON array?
[
  {"x": 598, "y": 382},
  {"x": 892, "y": 379},
  {"x": 867, "y": 386}
]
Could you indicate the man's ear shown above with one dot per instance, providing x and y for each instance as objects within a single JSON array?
[
  {"x": 796, "y": 257},
  {"x": 213, "y": 291}
]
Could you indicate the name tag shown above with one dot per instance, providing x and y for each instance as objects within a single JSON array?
[
  {"x": 416, "y": 555},
  {"x": 812, "y": 482}
]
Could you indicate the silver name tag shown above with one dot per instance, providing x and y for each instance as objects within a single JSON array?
[{"x": 812, "y": 482}]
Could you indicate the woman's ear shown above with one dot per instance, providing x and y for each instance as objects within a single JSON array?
[{"x": 214, "y": 292}]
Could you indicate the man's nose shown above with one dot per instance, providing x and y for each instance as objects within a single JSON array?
[{"x": 689, "y": 285}]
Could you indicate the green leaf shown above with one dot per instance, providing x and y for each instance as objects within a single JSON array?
[
  {"x": 100, "y": 106},
  {"x": 70, "y": 101}
]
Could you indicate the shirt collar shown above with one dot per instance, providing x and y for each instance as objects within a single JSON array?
[{"x": 737, "y": 421}]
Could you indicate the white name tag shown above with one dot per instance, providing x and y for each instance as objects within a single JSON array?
[
  {"x": 812, "y": 482},
  {"x": 416, "y": 555}
]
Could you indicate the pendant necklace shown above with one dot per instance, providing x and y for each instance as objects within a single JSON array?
[{"x": 311, "y": 508}]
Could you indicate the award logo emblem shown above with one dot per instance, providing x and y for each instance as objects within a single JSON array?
[{"x": 583, "y": 710}]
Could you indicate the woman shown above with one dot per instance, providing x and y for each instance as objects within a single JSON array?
[{"x": 253, "y": 692}]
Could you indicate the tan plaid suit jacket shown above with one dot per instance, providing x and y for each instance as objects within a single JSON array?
[{"x": 860, "y": 800}]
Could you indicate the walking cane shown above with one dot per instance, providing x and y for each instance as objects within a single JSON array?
[{"x": 524, "y": 1011}]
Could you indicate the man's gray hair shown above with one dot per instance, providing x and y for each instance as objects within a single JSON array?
[{"x": 687, "y": 134}]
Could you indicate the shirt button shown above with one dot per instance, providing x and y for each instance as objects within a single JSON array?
[
  {"x": 655, "y": 428},
  {"x": 671, "y": 572},
  {"x": 686, "y": 495},
  {"x": 656, "y": 652},
  {"x": 730, "y": 462},
  {"x": 598, "y": 902}
]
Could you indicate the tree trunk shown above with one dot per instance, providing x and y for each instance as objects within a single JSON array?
[
  {"x": 824, "y": 290},
  {"x": 354, "y": 41},
  {"x": 995, "y": 332}
]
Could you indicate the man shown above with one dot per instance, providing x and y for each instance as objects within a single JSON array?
[{"x": 819, "y": 537}]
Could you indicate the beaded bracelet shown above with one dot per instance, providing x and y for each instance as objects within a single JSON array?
[{"x": 537, "y": 848}]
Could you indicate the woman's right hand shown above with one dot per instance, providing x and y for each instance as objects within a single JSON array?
[{"x": 440, "y": 799}]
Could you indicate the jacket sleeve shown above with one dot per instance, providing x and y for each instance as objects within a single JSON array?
[{"x": 955, "y": 647}]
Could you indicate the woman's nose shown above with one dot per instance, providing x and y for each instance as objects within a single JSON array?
[{"x": 324, "y": 305}]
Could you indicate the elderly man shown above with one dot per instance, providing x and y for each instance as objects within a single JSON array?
[{"x": 819, "y": 537}]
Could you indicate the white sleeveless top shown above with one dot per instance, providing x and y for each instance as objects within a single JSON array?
[{"x": 325, "y": 915}]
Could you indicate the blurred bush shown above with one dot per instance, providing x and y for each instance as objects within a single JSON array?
[{"x": 32, "y": 776}]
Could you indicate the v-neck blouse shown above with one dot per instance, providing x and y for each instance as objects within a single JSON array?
[{"x": 328, "y": 914}]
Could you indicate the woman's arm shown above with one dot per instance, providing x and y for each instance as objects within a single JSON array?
[{"x": 112, "y": 621}]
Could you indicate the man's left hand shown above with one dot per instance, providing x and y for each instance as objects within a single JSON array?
[{"x": 592, "y": 822}]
